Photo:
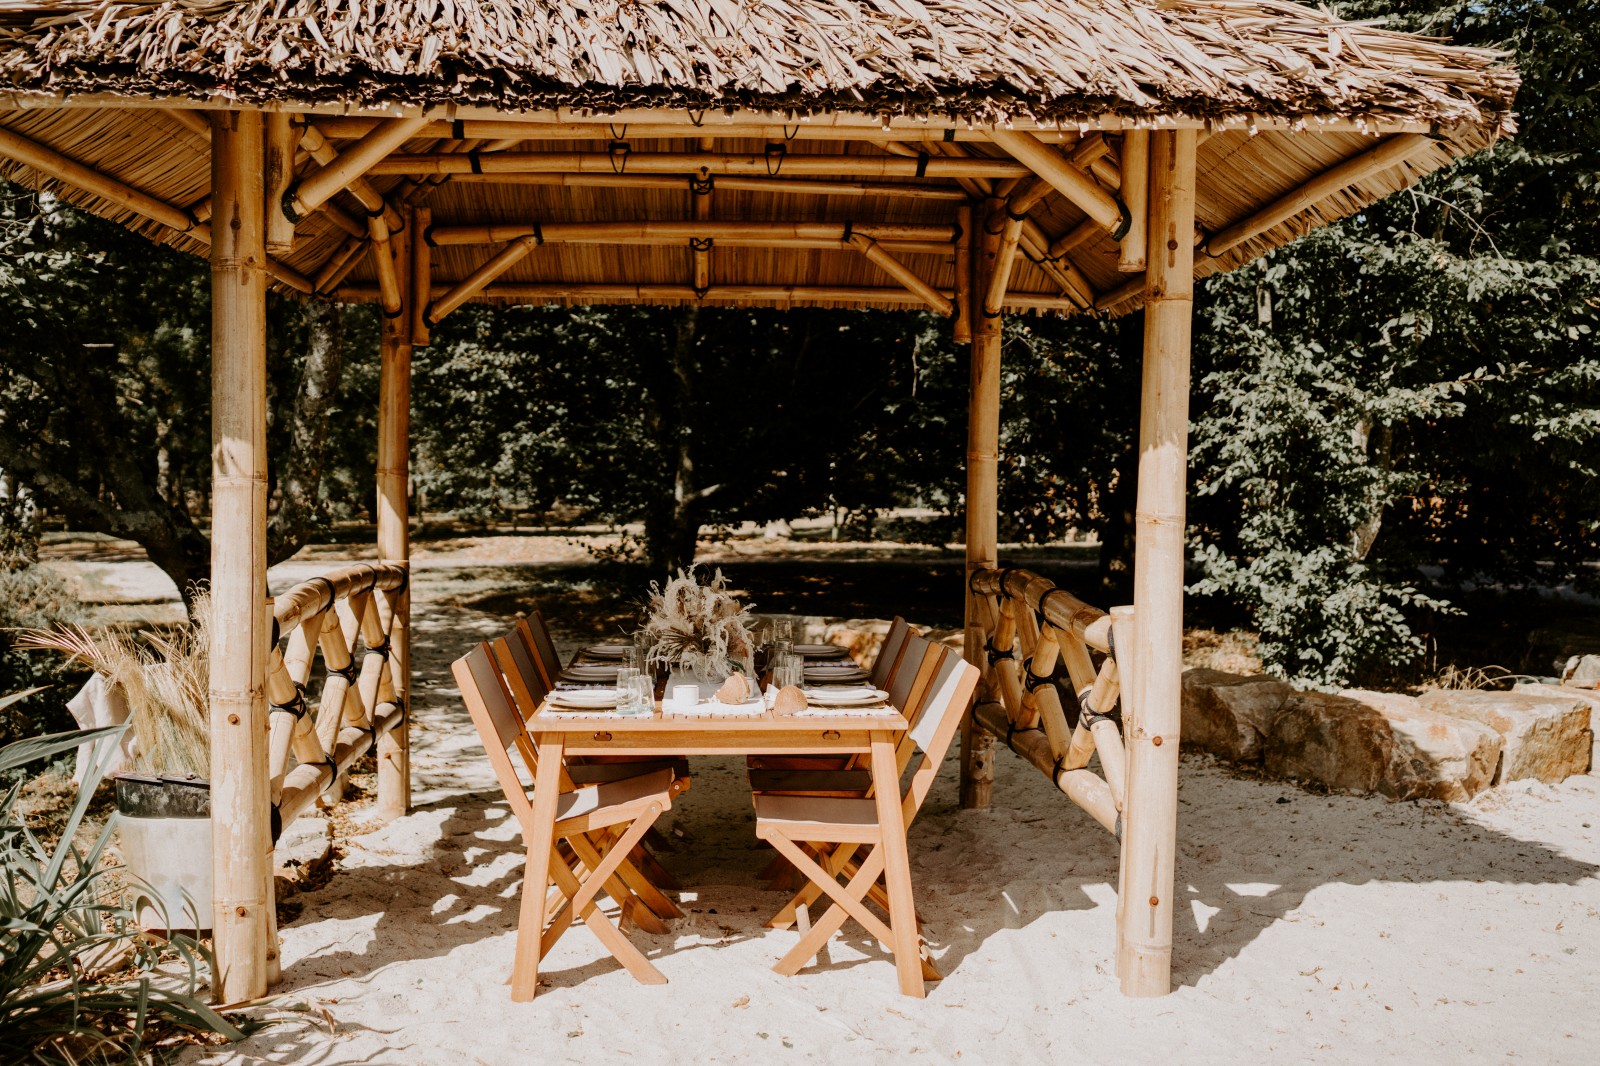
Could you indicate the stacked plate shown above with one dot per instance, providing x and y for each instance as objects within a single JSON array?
[
  {"x": 590, "y": 674},
  {"x": 820, "y": 651},
  {"x": 844, "y": 695},
  {"x": 604, "y": 651},
  {"x": 584, "y": 699},
  {"x": 836, "y": 673}
]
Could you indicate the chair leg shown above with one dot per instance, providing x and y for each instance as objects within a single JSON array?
[
  {"x": 807, "y": 894},
  {"x": 832, "y": 921},
  {"x": 622, "y": 890},
  {"x": 620, "y": 947}
]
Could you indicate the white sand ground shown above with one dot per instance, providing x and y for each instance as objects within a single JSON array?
[{"x": 1314, "y": 928}]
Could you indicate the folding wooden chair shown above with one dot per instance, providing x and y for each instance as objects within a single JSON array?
[
  {"x": 792, "y": 824},
  {"x": 909, "y": 691},
  {"x": 631, "y": 805},
  {"x": 519, "y": 666},
  {"x": 894, "y": 645}
]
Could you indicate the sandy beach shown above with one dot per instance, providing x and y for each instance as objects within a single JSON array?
[{"x": 1315, "y": 928}]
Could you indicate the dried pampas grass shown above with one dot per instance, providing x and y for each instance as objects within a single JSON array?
[
  {"x": 166, "y": 681},
  {"x": 700, "y": 628}
]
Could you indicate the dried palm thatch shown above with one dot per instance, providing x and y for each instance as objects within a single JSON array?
[
  {"x": 981, "y": 59},
  {"x": 166, "y": 681}
]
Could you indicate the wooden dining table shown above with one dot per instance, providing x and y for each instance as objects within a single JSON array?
[{"x": 561, "y": 733}]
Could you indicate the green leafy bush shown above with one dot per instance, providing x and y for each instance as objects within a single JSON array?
[{"x": 35, "y": 597}]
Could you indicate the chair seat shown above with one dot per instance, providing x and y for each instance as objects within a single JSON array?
[
  {"x": 818, "y": 818},
  {"x": 604, "y": 773},
  {"x": 597, "y": 806},
  {"x": 848, "y": 783}
]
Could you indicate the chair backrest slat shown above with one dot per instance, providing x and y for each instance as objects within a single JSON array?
[
  {"x": 950, "y": 696},
  {"x": 544, "y": 647},
  {"x": 515, "y": 654},
  {"x": 499, "y": 725},
  {"x": 904, "y": 677},
  {"x": 889, "y": 656}
]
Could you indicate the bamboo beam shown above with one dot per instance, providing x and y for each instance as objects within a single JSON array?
[
  {"x": 903, "y": 274},
  {"x": 239, "y": 635},
  {"x": 312, "y": 140},
  {"x": 1069, "y": 180},
  {"x": 679, "y": 230},
  {"x": 352, "y": 164},
  {"x": 279, "y": 173},
  {"x": 1151, "y": 808},
  {"x": 961, "y": 325},
  {"x": 514, "y": 129},
  {"x": 606, "y": 292},
  {"x": 508, "y": 257},
  {"x": 1084, "y": 787},
  {"x": 1390, "y": 153},
  {"x": 727, "y": 183},
  {"x": 195, "y": 122},
  {"x": 1061, "y": 270},
  {"x": 982, "y": 518},
  {"x": 421, "y": 287},
  {"x": 390, "y": 298},
  {"x": 1135, "y": 193},
  {"x": 701, "y": 163},
  {"x": 1060, "y": 608}
]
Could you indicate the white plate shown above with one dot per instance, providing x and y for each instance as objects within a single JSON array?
[
  {"x": 820, "y": 651},
  {"x": 845, "y": 698},
  {"x": 606, "y": 651},
  {"x": 584, "y": 699}
]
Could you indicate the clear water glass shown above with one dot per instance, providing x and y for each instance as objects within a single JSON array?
[
  {"x": 627, "y": 690},
  {"x": 783, "y": 630},
  {"x": 644, "y": 696},
  {"x": 632, "y": 657}
]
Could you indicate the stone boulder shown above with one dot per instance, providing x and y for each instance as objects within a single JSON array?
[
  {"x": 1546, "y": 738},
  {"x": 1588, "y": 696},
  {"x": 1228, "y": 715},
  {"x": 1435, "y": 756},
  {"x": 1330, "y": 740}
]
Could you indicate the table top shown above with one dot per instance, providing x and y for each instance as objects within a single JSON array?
[{"x": 754, "y": 722}]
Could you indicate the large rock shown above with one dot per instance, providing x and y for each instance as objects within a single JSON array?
[
  {"x": 1546, "y": 737},
  {"x": 1228, "y": 715},
  {"x": 1435, "y": 756},
  {"x": 1330, "y": 740},
  {"x": 1588, "y": 696}
]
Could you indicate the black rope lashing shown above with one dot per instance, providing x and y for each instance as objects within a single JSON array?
[
  {"x": 1111, "y": 643},
  {"x": 1045, "y": 599},
  {"x": 701, "y": 244},
  {"x": 922, "y": 164},
  {"x": 458, "y": 130},
  {"x": 1088, "y": 717},
  {"x": 702, "y": 186},
  {"x": 996, "y": 655},
  {"x": 333, "y": 594},
  {"x": 776, "y": 152},
  {"x": 382, "y": 649},
  {"x": 1032, "y": 681},
  {"x": 296, "y": 706},
  {"x": 475, "y": 162},
  {"x": 619, "y": 152},
  {"x": 347, "y": 671}
]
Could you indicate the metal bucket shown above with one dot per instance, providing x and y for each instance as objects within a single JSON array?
[{"x": 166, "y": 842}]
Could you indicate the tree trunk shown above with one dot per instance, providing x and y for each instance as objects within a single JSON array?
[
  {"x": 672, "y": 523},
  {"x": 300, "y": 479}
]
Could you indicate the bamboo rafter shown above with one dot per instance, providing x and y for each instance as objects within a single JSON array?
[{"x": 339, "y": 616}]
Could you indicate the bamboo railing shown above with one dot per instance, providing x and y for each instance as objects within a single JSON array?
[
  {"x": 362, "y": 697},
  {"x": 1029, "y": 626}
]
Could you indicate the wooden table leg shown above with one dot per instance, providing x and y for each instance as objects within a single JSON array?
[
  {"x": 897, "y": 865},
  {"x": 541, "y": 845}
]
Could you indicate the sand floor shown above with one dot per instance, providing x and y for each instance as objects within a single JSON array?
[{"x": 1314, "y": 928}]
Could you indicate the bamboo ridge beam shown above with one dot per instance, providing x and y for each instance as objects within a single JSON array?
[
  {"x": 903, "y": 274},
  {"x": 677, "y": 230},
  {"x": 1391, "y": 152},
  {"x": 729, "y": 183},
  {"x": 514, "y": 129},
  {"x": 352, "y": 164},
  {"x": 1069, "y": 180},
  {"x": 769, "y": 165},
  {"x": 598, "y": 292}
]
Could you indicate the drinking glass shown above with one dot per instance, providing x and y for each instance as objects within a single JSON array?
[
  {"x": 783, "y": 629},
  {"x": 632, "y": 657},
  {"x": 643, "y": 642},
  {"x": 644, "y": 694},
  {"x": 627, "y": 690}
]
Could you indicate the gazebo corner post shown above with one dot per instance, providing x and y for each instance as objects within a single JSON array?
[
  {"x": 240, "y": 627},
  {"x": 1151, "y": 812},
  {"x": 393, "y": 519},
  {"x": 982, "y": 503}
]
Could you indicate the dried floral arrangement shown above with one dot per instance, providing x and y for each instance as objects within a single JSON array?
[
  {"x": 703, "y": 629},
  {"x": 166, "y": 681}
]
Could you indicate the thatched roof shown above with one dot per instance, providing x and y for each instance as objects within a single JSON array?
[
  {"x": 983, "y": 59},
  {"x": 1288, "y": 98}
]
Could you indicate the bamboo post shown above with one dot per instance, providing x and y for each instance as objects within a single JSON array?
[
  {"x": 279, "y": 173},
  {"x": 394, "y": 546},
  {"x": 421, "y": 275},
  {"x": 240, "y": 808},
  {"x": 961, "y": 326},
  {"x": 1135, "y": 193},
  {"x": 983, "y": 457},
  {"x": 1152, "y": 802}
]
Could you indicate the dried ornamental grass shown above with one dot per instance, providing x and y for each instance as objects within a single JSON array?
[
  {"x": 166, "y": 681},
  {"x": 703, "y": 629}
]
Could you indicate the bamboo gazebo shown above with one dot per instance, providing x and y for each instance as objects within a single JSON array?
[{"x": 973, "y": 157}]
